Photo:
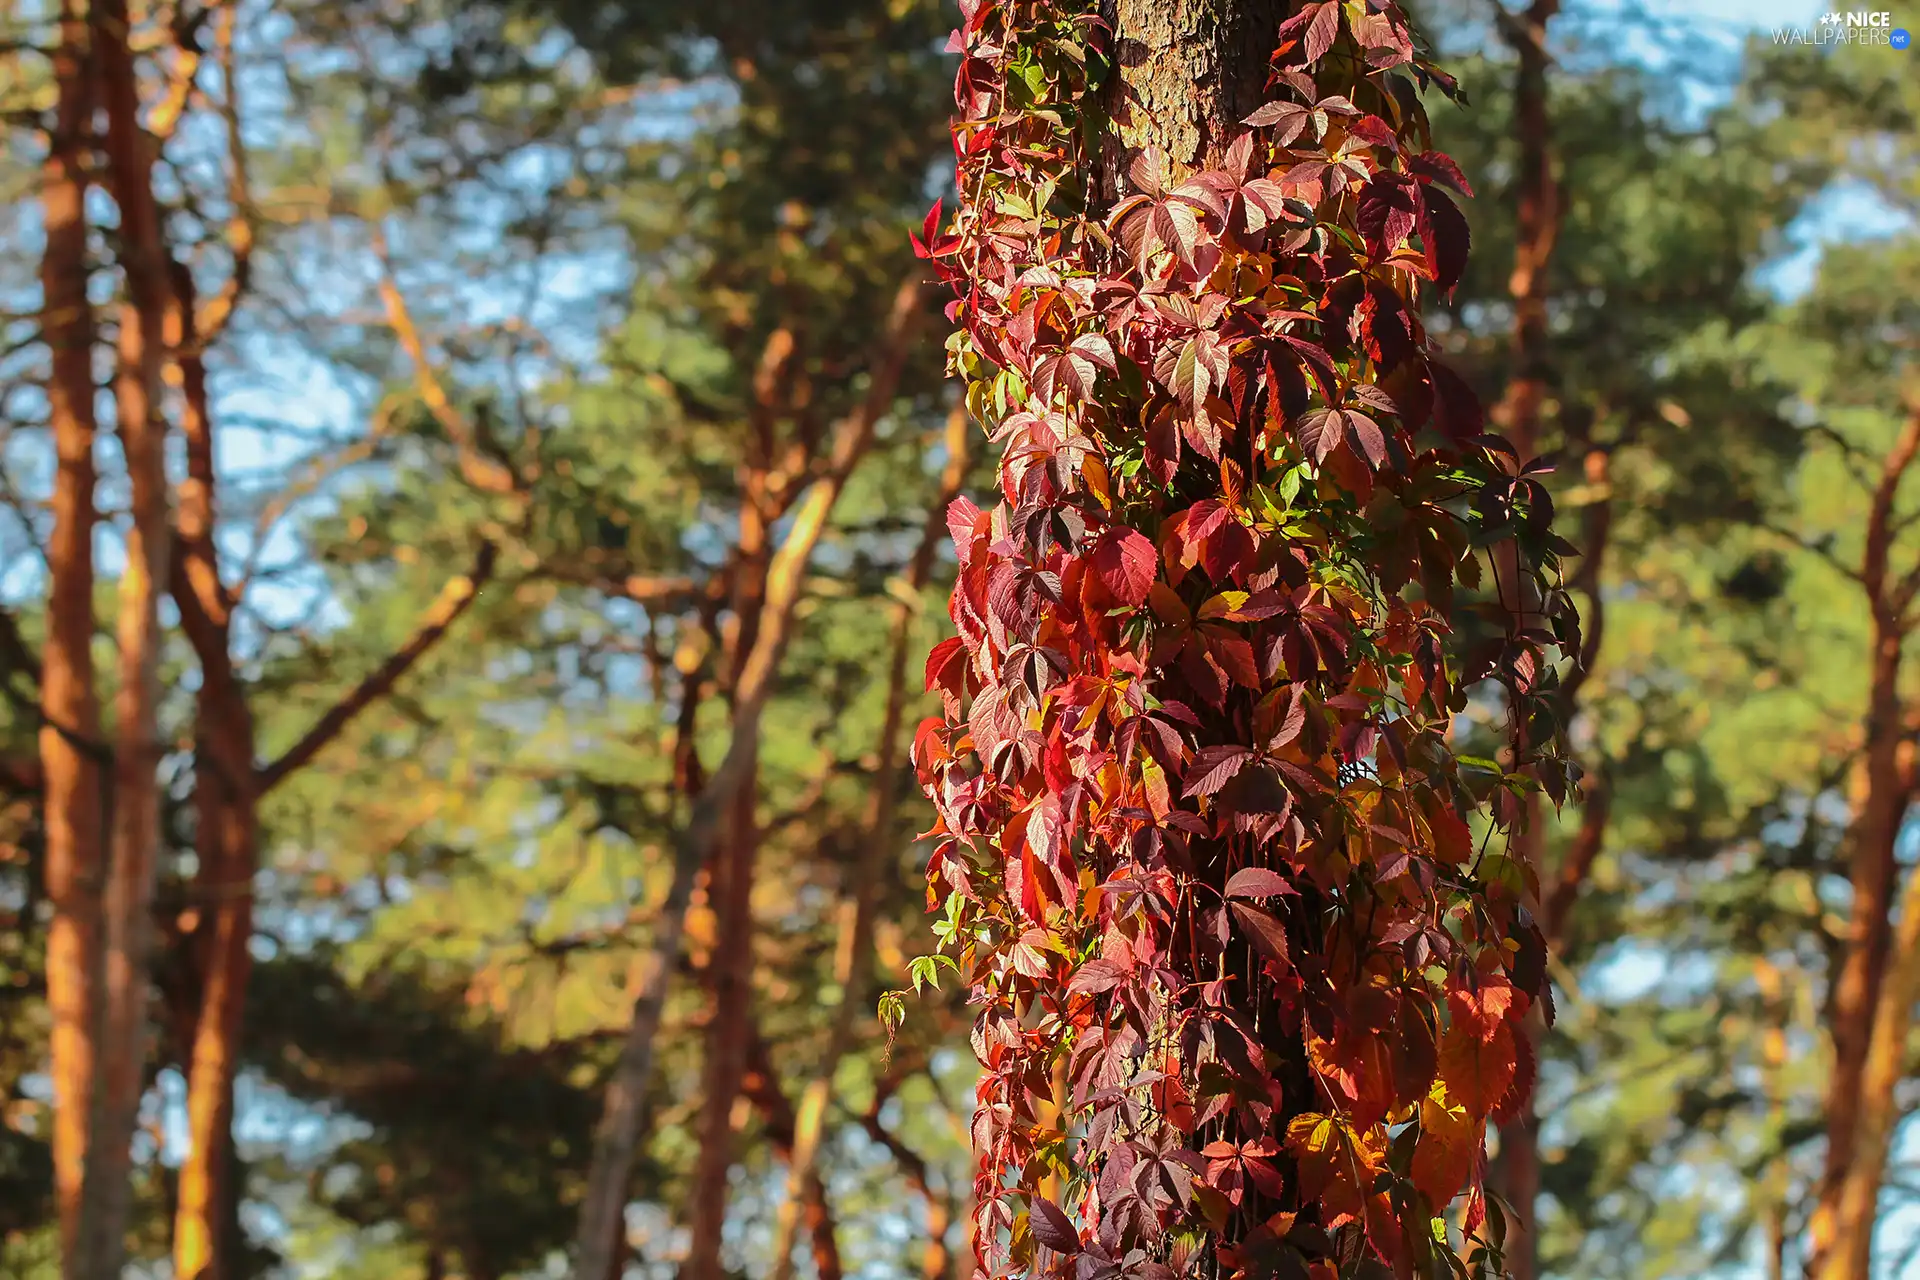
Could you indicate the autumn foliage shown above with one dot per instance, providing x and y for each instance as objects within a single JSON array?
[{"x": 1247, "y": 941}]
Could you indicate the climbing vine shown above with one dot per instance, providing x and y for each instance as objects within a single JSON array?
[{"x": 1247, "y": 938}]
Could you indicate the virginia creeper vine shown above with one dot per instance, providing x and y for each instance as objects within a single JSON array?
[{"x": 1202, "y": 837}]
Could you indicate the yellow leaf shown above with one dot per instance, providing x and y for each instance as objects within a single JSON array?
[
  {"x": 1220, "y": 606},
  {"x": 1443, "y": 1160}
]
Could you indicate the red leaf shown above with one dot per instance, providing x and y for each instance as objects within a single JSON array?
[
  {"x": 1323, "y": 31},
  {"x": 1280, "y": 729},
  {"x": 1448, "y": 240},
  {"x": 1320, "y": 433},
  {"x": 1258, "y": 882},
  {"x": 929, "y": 746},
  {"x": 1096, "y": 348},
  {"x": 1214, "y": 767},
  {"x": 1438, "y": 166},
  {"x": 1053, "y": 1228},
  {"x": 1148, "y": 171},
  {"x": 1367, "y": 432},
  {"x": 1290, "y": 119},
  {"x": 1266, "y": 933},
  {"x": 1235, "y": 657},
  {"x": 944, "y": 655},
  {"x": 1515, "y": 1099},
  {"x": 963, "y": 517},
  {"x": 1476, "y": 1071},
  {"x": 1096, "y": 976},
  {"x": 1126, "y": 562}
]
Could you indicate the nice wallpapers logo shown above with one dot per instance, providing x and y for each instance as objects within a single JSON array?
[{"x": 1861, "y": 27}]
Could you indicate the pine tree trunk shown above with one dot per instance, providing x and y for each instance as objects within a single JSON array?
[
  {"x": 731, "y": 975},
  {"x": 1857, "y": 1121},
  {"x": 1189, "y": 71},
  {"x": 617, "y": 1136},
  {"x": 135, "y": 826},
  {"x": 226, "y": 846},
  {"x": 1537, "y": 223},
  {"x": 731, "y": 972},
  {"x": 1873, "y": 998},
  {"x": 761, "y": 1085},
  {"x": 70, "y": 710},
  {"x": 1856, "y": 991},
  {"x": 1142, "y": 352},
  {"x": 1855, "y": 1201}
]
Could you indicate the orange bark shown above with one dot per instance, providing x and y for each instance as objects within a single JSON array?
[
  {"x": 1853, "y": 1205},
  {"x": 224, "y": 801},
  {"x": 869, "y": 872},
  {"x": 227, "y": 785},
  {"x": 1871, "y": 1006},
  {"x": 70, "y": 711},
  {"x": 730, "y": 973},
  {"x": 617, "y": 1136},
  {"x": 106, "y": 1194}
]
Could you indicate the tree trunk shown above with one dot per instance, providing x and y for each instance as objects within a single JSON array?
[
  {"x": 730, "y": 974},
  {"x": 1012, "y": 774},
  {"x": 761, "y": 1086},
  {"x": 224, "y": 801},
  {"x": 1855, "y": 1201},
  {"x": 1856, "y": 991},
  {"x": 1872, "y": 1002},
  {"x": 1537, "y": 222},
  {"x": 69, "y": 707},
  {"x": 1537, "y": 219},
  {"x": 1776, "y": 1184},
  {"x": 617, "y": 1136},
  {"x": 1852, "y": 1011},
  {"x": 1189, "y": 72},
  {"x": 135, "y": 826},
  {"x": 870, "y": 870}
]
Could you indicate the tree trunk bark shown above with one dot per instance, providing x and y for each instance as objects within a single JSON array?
[
  {"x": 1537, "y": 219},
  {"x": 224, "y": 801},
  {"x": 106, "y": 1197},
  {"x": 1853, "y": 1171},
  {"x": 1856, "y": 992},
  {"x": 1189, "y": 72},
  {"x": 1537, "y": 215},
  {"x": 69, "y": 707},
  {"x": 617, "y": 1136},
  {"x": 730, "y": 975},
  {"x": 1855, "y": 1201},
  {"x": 761, "y": 1086},
  {"x": 1776, "y": 1184},
  {"x": 869, "y": 872}
]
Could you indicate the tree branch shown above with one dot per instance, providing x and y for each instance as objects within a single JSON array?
[
  {"x": 940, "y": 1208},
  {"x": 219, "y": 309},
  {"x": 456, "y": 597},
  {"x": 1579, "y": 860},
  {"x": 486, "y": 474}
]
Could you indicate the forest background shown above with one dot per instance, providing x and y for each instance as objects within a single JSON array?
[{"x": 507, "y": 339}]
